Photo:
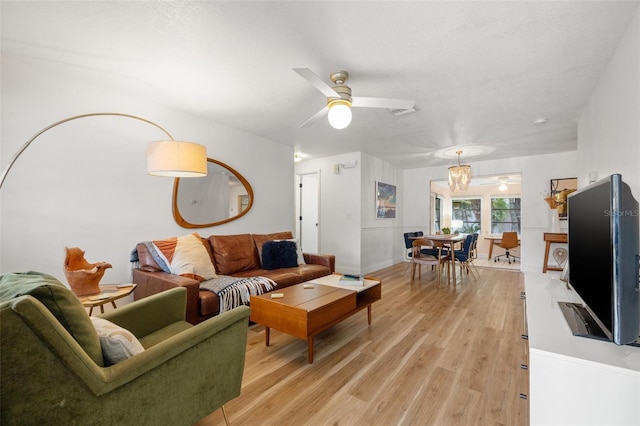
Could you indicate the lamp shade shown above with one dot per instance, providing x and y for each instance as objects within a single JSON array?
[
  {"x": 339, "y": 114},
  {"x": 176, "y": 159}
]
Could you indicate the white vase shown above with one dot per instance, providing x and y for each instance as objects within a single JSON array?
[{"x": 554, "y": 221}]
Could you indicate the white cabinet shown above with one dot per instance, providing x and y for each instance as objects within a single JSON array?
[{"x": 575, "y": 380}]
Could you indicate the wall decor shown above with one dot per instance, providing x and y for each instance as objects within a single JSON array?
[
  {"x": 385, "y": 201},
  {"x": 560, "y": 188},
  {"x": 220, "y": 197}
]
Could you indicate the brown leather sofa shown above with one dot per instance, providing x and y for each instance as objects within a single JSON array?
[{"x": 235, "y": 255}]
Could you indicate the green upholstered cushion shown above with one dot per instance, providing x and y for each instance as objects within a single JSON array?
[{"x": 60, "y": 301}]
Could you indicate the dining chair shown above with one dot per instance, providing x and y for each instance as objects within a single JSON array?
[
  {"x": 409, "y": 237},
  {"x": 466, "y": 255},
  {"x": 418, "y": 258},
  {"x": 509, "y": 241},
  {"x": 408, "y": 245}
]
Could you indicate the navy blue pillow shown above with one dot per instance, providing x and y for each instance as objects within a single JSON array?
[{"x": 279, "y": 254}]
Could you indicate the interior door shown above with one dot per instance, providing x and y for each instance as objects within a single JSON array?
[{"x": 309, "y": 212}]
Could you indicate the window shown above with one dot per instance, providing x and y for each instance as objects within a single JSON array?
[
  {"x": 438, "y": 214},
  {"x": 469, "y": 211},
  {"x": 505, "y": 215}
]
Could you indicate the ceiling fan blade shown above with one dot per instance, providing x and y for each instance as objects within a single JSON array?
[
  {"x": 317, "y": 82},
  {"x": 388, "y": 103},
  {"x": 315, "y": 117}
]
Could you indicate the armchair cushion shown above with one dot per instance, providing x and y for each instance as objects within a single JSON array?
[
  {"x": 60, "y": 301},
  {"x": 279, "y": 254},
  {"x": 117, "y": 343}
]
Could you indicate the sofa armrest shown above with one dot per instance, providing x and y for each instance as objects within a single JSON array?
[
  {"x": 152, "y": 313},
  {"x": 150, "y": 283},
  {"x": 328, "y": 260}
]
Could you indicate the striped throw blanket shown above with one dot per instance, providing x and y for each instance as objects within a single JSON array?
[{"x": 234, "y": 292}]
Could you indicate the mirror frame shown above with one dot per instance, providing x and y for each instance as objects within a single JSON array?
[{"x": 185, "y": 224}]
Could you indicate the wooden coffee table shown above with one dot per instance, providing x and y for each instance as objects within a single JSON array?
[{"x": 305, "y": 312}]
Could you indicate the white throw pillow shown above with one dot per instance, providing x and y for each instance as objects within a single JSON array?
[
  {"x": 186, "y": 256},
  {"x": 298, "y": 251},
  {"x": 117, "y": 343}
]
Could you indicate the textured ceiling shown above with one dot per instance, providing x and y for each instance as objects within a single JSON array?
[{"x": 481, "y": 72}]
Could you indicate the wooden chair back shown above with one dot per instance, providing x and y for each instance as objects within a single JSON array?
[{"x": 509, "y": 240}]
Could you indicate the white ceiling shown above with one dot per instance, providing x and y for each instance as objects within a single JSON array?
[{"x": 481, "y": 72}]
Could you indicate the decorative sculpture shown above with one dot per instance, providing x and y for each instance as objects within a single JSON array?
[{"x": 82, "y": 276}]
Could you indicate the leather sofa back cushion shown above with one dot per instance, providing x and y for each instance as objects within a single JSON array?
[
  {"x": 234, "y": 253},
  {"x": 147, "y": 263}
]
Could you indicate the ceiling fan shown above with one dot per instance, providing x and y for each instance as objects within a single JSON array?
[
  {"x": 502, "y": 182},
  {"x": 340, "y": 101}
]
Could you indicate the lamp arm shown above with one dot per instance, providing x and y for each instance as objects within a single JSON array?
[{"x": 5, "y": 172}]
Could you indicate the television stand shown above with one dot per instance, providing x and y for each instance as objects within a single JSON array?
[
  {"x": 581, "y": 321},
  {"x": 573, "y": 380}
]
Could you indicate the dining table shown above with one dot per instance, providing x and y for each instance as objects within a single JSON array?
[{"x": 449, "y": 241}]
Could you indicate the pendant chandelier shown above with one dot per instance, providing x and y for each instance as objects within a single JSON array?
[{"x": 459, "y": 176}]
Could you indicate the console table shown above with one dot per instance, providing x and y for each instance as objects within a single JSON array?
[
  {"x": 551, "y": 237},
  {"x": 575, "y": 380}
]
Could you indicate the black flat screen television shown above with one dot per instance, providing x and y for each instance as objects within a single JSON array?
[{"x": 603, "y": 241}]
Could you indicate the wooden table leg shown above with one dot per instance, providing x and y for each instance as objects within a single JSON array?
[
  {"x": 113, "y": 303},
  {"x": 310, "y": 345},
  {"x": 102, "y": 309},
  {"x": 546, "y": 256},
  {"x": 266, "y": 335},
  {"x": 90, "y": 310},
  {"x": 453, "y": 262},
  {"x": 369, "y": 314},
  {"x": 492, "y": 242}
]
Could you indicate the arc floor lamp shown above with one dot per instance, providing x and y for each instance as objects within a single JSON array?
[{"x": 164, "y": 158}]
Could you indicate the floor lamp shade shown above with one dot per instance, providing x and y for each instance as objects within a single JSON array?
[
  {"x": 176, "y": 159},
  {"x": 166, "y": 158}
]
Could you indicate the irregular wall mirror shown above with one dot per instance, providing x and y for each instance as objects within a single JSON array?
[{"x": 220, "y": 197}]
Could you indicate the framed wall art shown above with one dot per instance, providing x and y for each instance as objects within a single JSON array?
[{"x": 385, "y": 201}]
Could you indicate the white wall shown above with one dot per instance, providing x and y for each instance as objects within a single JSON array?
[
  {"x": 609, "y": 128},
  {"x": 382, "y": 240},
  {"x": 340, "y": 209},
  {"x": 84, "y": 183}
]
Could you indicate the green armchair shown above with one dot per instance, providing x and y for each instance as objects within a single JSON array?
[{"x": 52, "y": 373}]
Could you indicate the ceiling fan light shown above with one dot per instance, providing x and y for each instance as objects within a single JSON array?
[
  {"x": 339, "y": 114},
  {"x": 502, "y": 187}
]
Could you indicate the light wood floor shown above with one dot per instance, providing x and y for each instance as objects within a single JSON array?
[{"x": 430, "y": 357}]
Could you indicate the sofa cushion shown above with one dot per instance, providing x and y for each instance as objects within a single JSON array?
[
  {"x": 234, "y": 253},
  {"x": 260, "y": 239},
  {"x": 60, "y": 301},
  {"x": 279, "y": 254},
  {"x": 298, "y": 250},
  {"x": 117, "y": 343},
  {"x": 186, "y": 256},
  {"x": 146, "y": 262},
  {"x": 209, "y": 303}
]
